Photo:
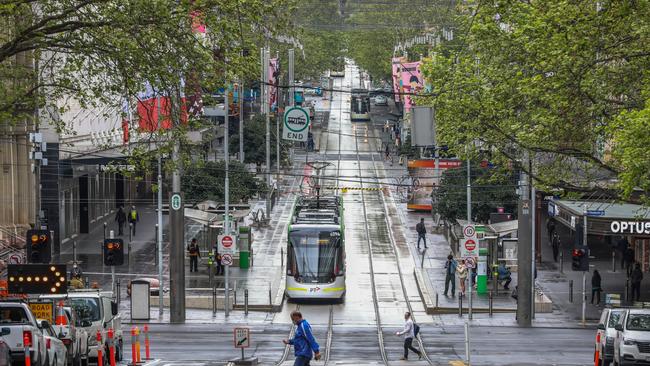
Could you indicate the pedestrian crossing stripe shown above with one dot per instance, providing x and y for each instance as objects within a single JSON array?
[{"x": 345, "y": 189}]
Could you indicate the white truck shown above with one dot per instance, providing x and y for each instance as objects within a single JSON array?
[
  {"x": 17, "y": 323},
  {"x": 96, "y": 311}
]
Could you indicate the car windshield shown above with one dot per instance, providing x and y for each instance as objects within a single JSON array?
[
  {"x": 315, "y": 253},
  {"x": 87, "y": 308},
  {"x": 13, "y": 315},
  {"x": 613, "y": 319},
  {"x": 640, "y": 322}
]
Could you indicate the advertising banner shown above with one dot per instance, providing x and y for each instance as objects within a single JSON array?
[
  {"x": 396, "y": 79},
  {"x": 410, "y": 82},
  {"x": 274, "y": 72},
  {"x": 154, "y": 108},
  {"x": 422, "y": 173}
]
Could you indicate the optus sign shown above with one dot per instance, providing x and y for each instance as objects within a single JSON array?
[{"x": 630, "y": 227}]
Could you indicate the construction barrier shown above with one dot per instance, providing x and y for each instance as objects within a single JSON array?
[
  {"x": 100, "y": 358},
  {"x": 137, "y": 345},
  {"x": 147, "y": 355},
  {"x": 111, "y": 347},
  {"x": 27, "y": 342},
  {"x": 134, "y": 358}
]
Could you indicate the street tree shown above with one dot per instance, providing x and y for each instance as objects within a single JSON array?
[
  {"x": 255, "y": 142},
  {"x": 205, "y": 181}
]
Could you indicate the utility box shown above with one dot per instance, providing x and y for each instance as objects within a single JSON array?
[
  {"x": 245, "y": 241},
  {"x": 140, "y": 300},
  {"x": 481, "y": 272}
]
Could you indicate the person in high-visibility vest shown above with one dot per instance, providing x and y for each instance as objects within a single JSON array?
[
  {"x": 194, "y": 254},
  {"x": 133, "y": 218}
]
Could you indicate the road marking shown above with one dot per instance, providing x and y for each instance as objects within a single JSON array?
[{"x": 457, "y": 363}]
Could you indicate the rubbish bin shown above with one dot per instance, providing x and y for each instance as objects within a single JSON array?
[{"x": 244, "y": 259}]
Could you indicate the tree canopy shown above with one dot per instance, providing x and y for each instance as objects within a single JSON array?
[{"x": 205, "y": 181}]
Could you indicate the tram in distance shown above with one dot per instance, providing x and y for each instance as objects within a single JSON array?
[
  {"x": 316, "y": 250},
  {"x": 360, "y": 105}
]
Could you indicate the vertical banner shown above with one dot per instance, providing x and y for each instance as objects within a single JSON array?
[
  {"x": 397, "y": 61},
  {"x": 126, "y": 120},
  {"x": 274, "y": 72},
  {"x": 155, "y": 108},
  {"x": 411, "y": 82}
]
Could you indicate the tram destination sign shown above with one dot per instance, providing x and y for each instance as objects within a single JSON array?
[{"x": 296, "y": 124}]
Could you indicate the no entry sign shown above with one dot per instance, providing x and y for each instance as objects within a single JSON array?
[
  {"x": 227, "y": 244},
  {"x": 469, "y": 242}
]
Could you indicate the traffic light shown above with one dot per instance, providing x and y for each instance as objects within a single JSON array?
[
  {"x": 580, "y": 258},
  {"x": 37, "y": 279},
  {"x": 113, "y": 252},
  {"x": 38, "y": 246}
]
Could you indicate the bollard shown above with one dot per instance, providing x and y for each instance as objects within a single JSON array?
[
  {"x": 570, "y": 290},
  {"x": 436, "y": 300},
  {"x": 214, "y": 300},
  {"x": 270, "y": 300},
  {"x": 234, "y": 294},
  {"x": 147, "y": 354},
  {"x": 137, "y": 345},
  {"x": 27, "y": 342},
  {"x": 460, "y": 305},
  {"x": 490, "y": 303},
  {"x": 627, "y": 289},
  {"x": 281, "y": 257},
  {"x": 245, "y": 301},
  {"x": 111, "y": 347},
  {"x": 117, "y": 292},
  {"x": 467, "y": 353},
  {"x": 134, "y": 359},
  {"x": 100, "y": 356}
]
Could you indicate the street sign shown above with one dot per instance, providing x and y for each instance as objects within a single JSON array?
[
  {"x": 469, "y": 231},
  {"x": 176, "y": 201},
  {"x": 227, "y": 244},
  {"x": 595, "y": 212},
  {"x": 296, "y": 124},
  {"x": 43, "y": 310},
  {"x": 469, "y": 263},
  {"x": 242, "y": 337},
  {"x": 16, "y": 259},
  {"x": 226, "y": 259},
  {"x": 469, "y": 242}
]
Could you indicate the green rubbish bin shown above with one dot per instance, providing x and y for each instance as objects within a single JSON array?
[{"x": 244, "y": 259}]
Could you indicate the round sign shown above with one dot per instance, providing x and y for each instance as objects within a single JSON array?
[
  {"x": 16, "y": 259},
  {"x": 226, "y": 241},
  {"x": 226, "y": 259},
  {"x": 469, "y": 262},
  {"x": 468, "y": 231},
  {"x": 296, "y": 119},
  {"x": 470, "y": 245}
]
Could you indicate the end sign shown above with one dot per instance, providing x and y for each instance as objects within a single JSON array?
[{"x": 296, "y": 124}]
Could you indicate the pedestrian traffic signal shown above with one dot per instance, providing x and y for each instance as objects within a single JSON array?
[
  {"x": 38, "y": 246},
  {"x": 580, "y": 259},
  {"x": 37, "y": 279},
  {"x": 113, "y": 252}
]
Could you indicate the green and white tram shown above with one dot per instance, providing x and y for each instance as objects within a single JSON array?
[{"x": 316, "y": 250}]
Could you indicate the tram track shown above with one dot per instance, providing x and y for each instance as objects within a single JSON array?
[{"x": 393, "y": 247}]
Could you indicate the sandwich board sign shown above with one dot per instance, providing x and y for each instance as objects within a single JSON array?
[{"x": 296, "y": 124}]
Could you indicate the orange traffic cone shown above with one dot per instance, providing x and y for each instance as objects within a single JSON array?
[{"x": 61, "y": 318}]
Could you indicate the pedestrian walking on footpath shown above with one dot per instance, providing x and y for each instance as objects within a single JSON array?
[
  {"x": 555, "y": 243},
  {"x": 133, "y": 218},
  {"x": 194, "y": 254},
  {"x": 636, "y": 278},
  {"x": 622, "y": 245},
  {"x": 217, "y": 258},
  {"x": 409, "y": 332},
  {"x": 303, "y": 341},
  {"x": 461, "y": 269},
  {"x": 450, "y": 274},
  {"x": 595, "y": 287},
  {"x": 550, "y": 228},
  {"x": 120, "y": 217},
  {"x": 422, "y": 233}
]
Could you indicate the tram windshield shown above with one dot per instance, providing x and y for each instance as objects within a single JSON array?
[
  {"x": 314, "y": 254},
  {"x": 359, "y": 104}
]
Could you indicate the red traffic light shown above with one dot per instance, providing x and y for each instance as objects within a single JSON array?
[{"x": 578, "y": 252}]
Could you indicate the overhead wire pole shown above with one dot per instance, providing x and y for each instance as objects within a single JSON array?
[
  {"x": 469, "y": 222},
  {"x": 265, "y": 102},
  {"x": 241, "y": 121},
  {"x": 226, "y": 219},
  {"x": 177, "y": 228},
  {"x": 524, "y": 254},
  {"x": 277, "y": 122}
]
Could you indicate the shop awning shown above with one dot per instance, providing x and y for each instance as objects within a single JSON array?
[
  {"x": 604, "y": 218},
  {"x": 504, "y": 228}
]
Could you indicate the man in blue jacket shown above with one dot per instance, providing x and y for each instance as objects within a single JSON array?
[{"x": 303, "y": 341}]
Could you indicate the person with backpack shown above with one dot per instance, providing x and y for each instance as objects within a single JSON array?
[
  {"x": 303, "y": 341},
  {"x": 409, "y": 332},
  {"x": 194, "y": 254},
  {"x": 134, "y": 217},
  {"x": 120, "y": 217}
]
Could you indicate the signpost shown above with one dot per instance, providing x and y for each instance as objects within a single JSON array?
[
  {"x": 469, "y": 242},
  {"x": 296, "y": 124},
  {"x": 227, "y": 244},
  {"x": 226, "y": 259},
  {"x": 242, "y": 340}
]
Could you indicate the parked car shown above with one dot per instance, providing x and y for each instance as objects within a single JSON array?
[
  {"x": 57, "y": 354},
  {"x": 97, "y": 312},
  {"x": 606, "y": 334},
  {"x": 381, "y": 100},
  {"x": 17, "y": 322},
  {"x": 5, "y": 354},
  {"x": 632, "y": 343},
  {"x": 73, "y": 336}
]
